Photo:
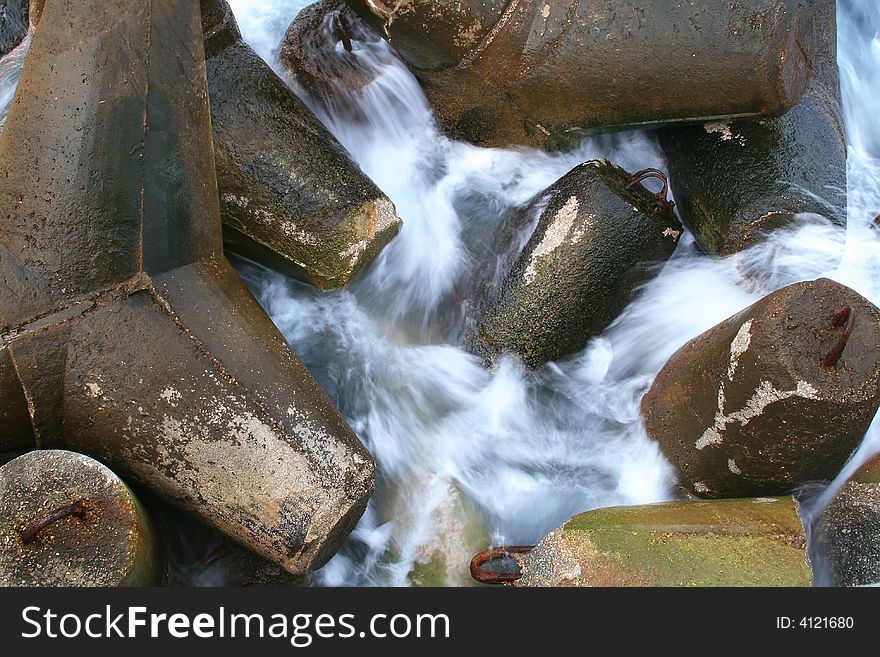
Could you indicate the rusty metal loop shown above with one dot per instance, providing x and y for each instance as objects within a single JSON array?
[
  {"x": 644, "y": 174},
  {"x": 210, "y": 559},
  {"x": 494, "y": 554},
  {"x": 662, "y": 205},
  {"x": 846, "y": 317},
  {"x": 77, "y": 509}
]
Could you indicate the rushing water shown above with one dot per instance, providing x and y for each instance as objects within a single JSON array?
[
  {"x": 10, "y": 69},
  {"x": 465, "y": 456}
]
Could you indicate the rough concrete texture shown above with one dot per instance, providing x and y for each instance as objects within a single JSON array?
[
  {"x": 736, "y": 181},
  {"x": 290, "y": 195},
  {"x": 747, "y": 408},
  {"x": 595, "y": 241},
  {"x": 13, "y": 24},
  {"x": 748, "y": 542},
  {"x": 846, "y": 537},
  {"x": 124, "y": 328},
  {"x": 541, "y": 72},
  {"x": 111, "y": 545}
]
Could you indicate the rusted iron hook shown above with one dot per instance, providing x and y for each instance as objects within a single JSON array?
[
  {"x": 494, "y": 554},
  {"x": 76, "y": 509},
  {"x": 847, "y": 317},
  {"x": 661, "y": 205}
]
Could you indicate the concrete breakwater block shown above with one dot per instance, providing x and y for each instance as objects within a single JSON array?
[
  {"x": 737, "y": 181},
  {"x": 542, "y": 73},
  {"x": 599, "y": 234},
  {"x": 68, "y": 520},
  {"x": 777, "y": 396},
  {"x": 742, "y": 542},
  {"x": 125, "y": 333},
  {"x": 846, "y": 536},
  {"x": 290, "y": 195}
]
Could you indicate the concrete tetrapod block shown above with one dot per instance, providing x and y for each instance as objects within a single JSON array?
[
  {"x": 541, "y": 73},
  {"x": 67, "y": 520},
  {"x": 737, "y": 181},
  {"x": 596, "y": 239},
  {"x": 745, "y": 542},
  {"x": 290, "y": 195},
  {"x": 774, "y": 397},
  {"x": 124, "y": 330},
  {"x": 846, "y": 537},
  {"x": 13, "y": 24}
]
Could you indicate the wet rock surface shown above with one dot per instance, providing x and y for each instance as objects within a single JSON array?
[
  {"x": 500, "y": 73},
  {"x": 321, "y": 52},
  {"x": 108, "y": 541},
  {"x": 746, "y": 542},
  {"x": 736, "y": 181},
  {"x": 432, "y": 37},
  {"x": 847, "y": 536},
  {"x": 290, "y": 195},
  {"x": 13, "y": 24},
  {"x": 125, "y": 329},
  {"x": 754, "y": 406},
  {"x": 596, "y": 240}
]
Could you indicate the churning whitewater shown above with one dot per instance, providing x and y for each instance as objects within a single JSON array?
[{"x": 468, "y": 457}]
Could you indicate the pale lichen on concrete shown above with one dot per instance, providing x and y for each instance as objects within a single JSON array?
[
  {"x": 353, "y": 252},
  {"x": 384, "y": 216},
  {"x": 738, "y": 347},
  {"x": 240, "y": 201},
  {"x": 302, "y": 236},
  {"x": 764, "y": 396},
  {"x": 170, "y": 396},
  {"x": 93, "y": 390},
  {"x": 724, "y": 129},
  {"x": 554, "y": 236}
]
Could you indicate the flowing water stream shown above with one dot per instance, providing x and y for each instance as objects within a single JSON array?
[{"x": 467, "y": 457}]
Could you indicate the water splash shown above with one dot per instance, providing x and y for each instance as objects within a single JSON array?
[{"x": 10, "y": 70}]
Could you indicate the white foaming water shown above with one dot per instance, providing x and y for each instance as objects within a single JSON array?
[
  {"x": 464, "y": 456},
  {"x": 10, "y": 70}
]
